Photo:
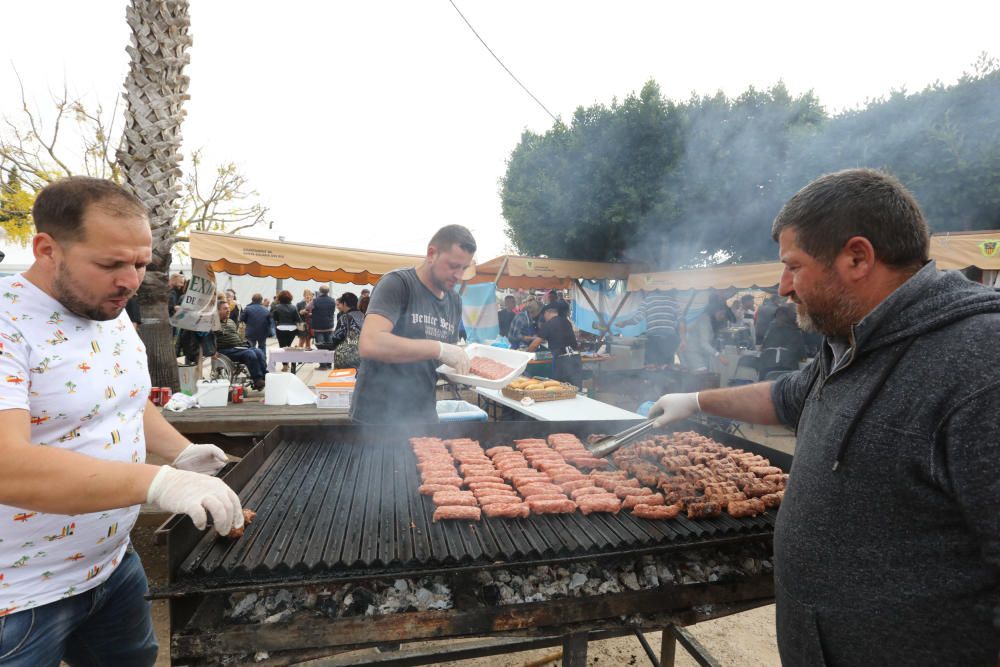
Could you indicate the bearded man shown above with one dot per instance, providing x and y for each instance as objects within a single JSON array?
[
  {"x": 75, "y": 426},
  {"x": 412, "y": 325},
  {"x": 887, "y": 545}
]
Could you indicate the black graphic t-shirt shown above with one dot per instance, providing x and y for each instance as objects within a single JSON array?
[{"x": 405, "y": 392}]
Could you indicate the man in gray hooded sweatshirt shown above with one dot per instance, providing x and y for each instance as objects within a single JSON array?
[{"x": 887, "y": 545}]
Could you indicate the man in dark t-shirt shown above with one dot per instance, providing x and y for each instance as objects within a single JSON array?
[
  {"x": 557, "y": 331},
  {"x": 412, "y": 326}
]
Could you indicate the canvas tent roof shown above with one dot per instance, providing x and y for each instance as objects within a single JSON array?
[
  {"x": 244, "y": 255},
  {"x": 959, "y": 250},
  {"x": 516, "y": 272},
  {"x": 715, "y": 277},
  {"x": 951, "y": 251}
]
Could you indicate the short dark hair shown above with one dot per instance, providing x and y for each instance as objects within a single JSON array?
[
  {"x": 857, "y": 202},
  {"x": 284, "y": 296},
  {"x": 60, "y": 206},
  {"x": 450, "y": 235},
  {"x": 561, "y": 308},
  {"x": 350, "y": 300},
  {"x": 257, "y": 298}
]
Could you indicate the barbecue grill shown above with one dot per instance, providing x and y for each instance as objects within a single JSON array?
[{"x": 340, "y": 504}]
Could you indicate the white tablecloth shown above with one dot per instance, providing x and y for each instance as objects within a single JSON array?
[
  {"x": 290, "y": 355},
  {"x": 579, "y": 408}
]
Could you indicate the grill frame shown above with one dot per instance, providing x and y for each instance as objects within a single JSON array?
[{"x": 183, "y": 540}]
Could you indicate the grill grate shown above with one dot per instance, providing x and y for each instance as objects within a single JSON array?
[{"x": 348, "y": 508}]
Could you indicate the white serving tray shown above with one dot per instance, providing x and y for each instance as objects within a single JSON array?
[{"x": 513, "y": 358}]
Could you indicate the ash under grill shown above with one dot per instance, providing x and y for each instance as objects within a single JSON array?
[{"x": 339, "y": 507}]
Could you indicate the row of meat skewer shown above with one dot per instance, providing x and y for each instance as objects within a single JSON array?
[{"x": 559, "y": 475}]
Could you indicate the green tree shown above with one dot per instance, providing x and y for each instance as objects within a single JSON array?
[
  {"x": 697, "y": 182},
  {"x": 587, "y": 190},
  {"x": 15, "y": 209}
]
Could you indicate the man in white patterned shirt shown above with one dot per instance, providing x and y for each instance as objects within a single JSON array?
[{"x": 74, "y": 431}]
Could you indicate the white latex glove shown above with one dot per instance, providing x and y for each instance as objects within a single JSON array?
[
  {"x": 206, "y": 459},
  {"x": 191, "y": 493},
  {"x": 671, "y": 407},
  {"x": 454, "y": 356}
]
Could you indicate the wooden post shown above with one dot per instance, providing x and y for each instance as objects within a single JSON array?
[{"x": 575, "y": 650}]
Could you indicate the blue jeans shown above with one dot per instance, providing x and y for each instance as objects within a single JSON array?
[
  {"x": 107, "y": 625},
  {"x": 254, "y": 358}
]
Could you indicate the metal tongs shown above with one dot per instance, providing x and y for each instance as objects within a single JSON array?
[{"x": 609, "y": 444}]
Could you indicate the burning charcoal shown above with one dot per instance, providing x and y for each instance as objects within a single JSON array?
[
  {"x": 507, "y": 595},
  {"x": 390, "y": 606},
  {"x": 528, "y": 590},
  {"x": 609, "y": 586},
  {"x": 279, "y": 617},
  {"x": 630, "y": 581},
  {"x": 284, "y": 597},
  {"x": 401, "y": 585},
  {"x": 484, "y": 577},
  {"x": 441, "y": 589},
  {"x": 261, "y": 656},
  {"x": 358, "y": 602},
  {"x": 535, "y": 597},
  {"x": 491, "y": 595},
  {"x": 243, "y": 606},
  {"x": 309, "y": 601},
  {"x": 577, "y": 581},
  {"x": 440, "y": 604},
  {"x": 503, "y": 576},
  {"x": 424, "y": 599},
  {"x": 649, "y": 576}
]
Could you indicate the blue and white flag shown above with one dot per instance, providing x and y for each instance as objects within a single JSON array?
[
  {"x": 606, "y": 297},
  {"x": 479, "y": 313}
]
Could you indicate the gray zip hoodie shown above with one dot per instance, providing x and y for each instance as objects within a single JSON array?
[{"x": 887, "y": 545}]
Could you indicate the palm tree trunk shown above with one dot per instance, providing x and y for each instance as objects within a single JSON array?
[{"x": 155, "y": 91}]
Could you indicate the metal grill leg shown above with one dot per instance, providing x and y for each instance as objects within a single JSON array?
[
  {"x": 575, "y": 650},
  {"x": 668, "y": 648}
]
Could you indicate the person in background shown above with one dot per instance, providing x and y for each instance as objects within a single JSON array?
[
  {"x": 305, "y": 331},
  {"x": 664, "y": 327},
  {"x": 700, "y": 348},
  {"x": 235, "y": 310},
  {"x": 363, "y": 304},
  {"x": 323, "y": 310},
  {"x": 134, "y": 312},
  {"x": 887, "y": 542},
  {"x": 365, "y": 294},
  {"x": 348, "y": 333},
  {"x": 229, "y": 342},
  {"x": 765, "y": 315},
  {"x": 257, "y": 319},
  {"x": 506, "y": 314},
  {"x": 784, "y": 346},
  {"x": 557, "y": 331},
  {"x": 75, "y": 428},
  {"x": 286, "y": 320},
  {"x": 524, "y": 326},
  {"x": 411, "y": 327}
]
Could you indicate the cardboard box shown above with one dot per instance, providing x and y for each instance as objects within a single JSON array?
[{"x": 338, "y": 390}]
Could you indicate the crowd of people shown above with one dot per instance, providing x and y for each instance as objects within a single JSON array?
[{"x": 318, "y": 320}]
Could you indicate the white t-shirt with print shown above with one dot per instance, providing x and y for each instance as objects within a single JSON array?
[{"x": 85, "y": 385}]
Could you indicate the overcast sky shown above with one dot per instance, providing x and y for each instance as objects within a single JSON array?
[{"x": 371, "y": 124}]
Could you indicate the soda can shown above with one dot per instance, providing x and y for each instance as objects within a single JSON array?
[{"x": 236, "y": 394}]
